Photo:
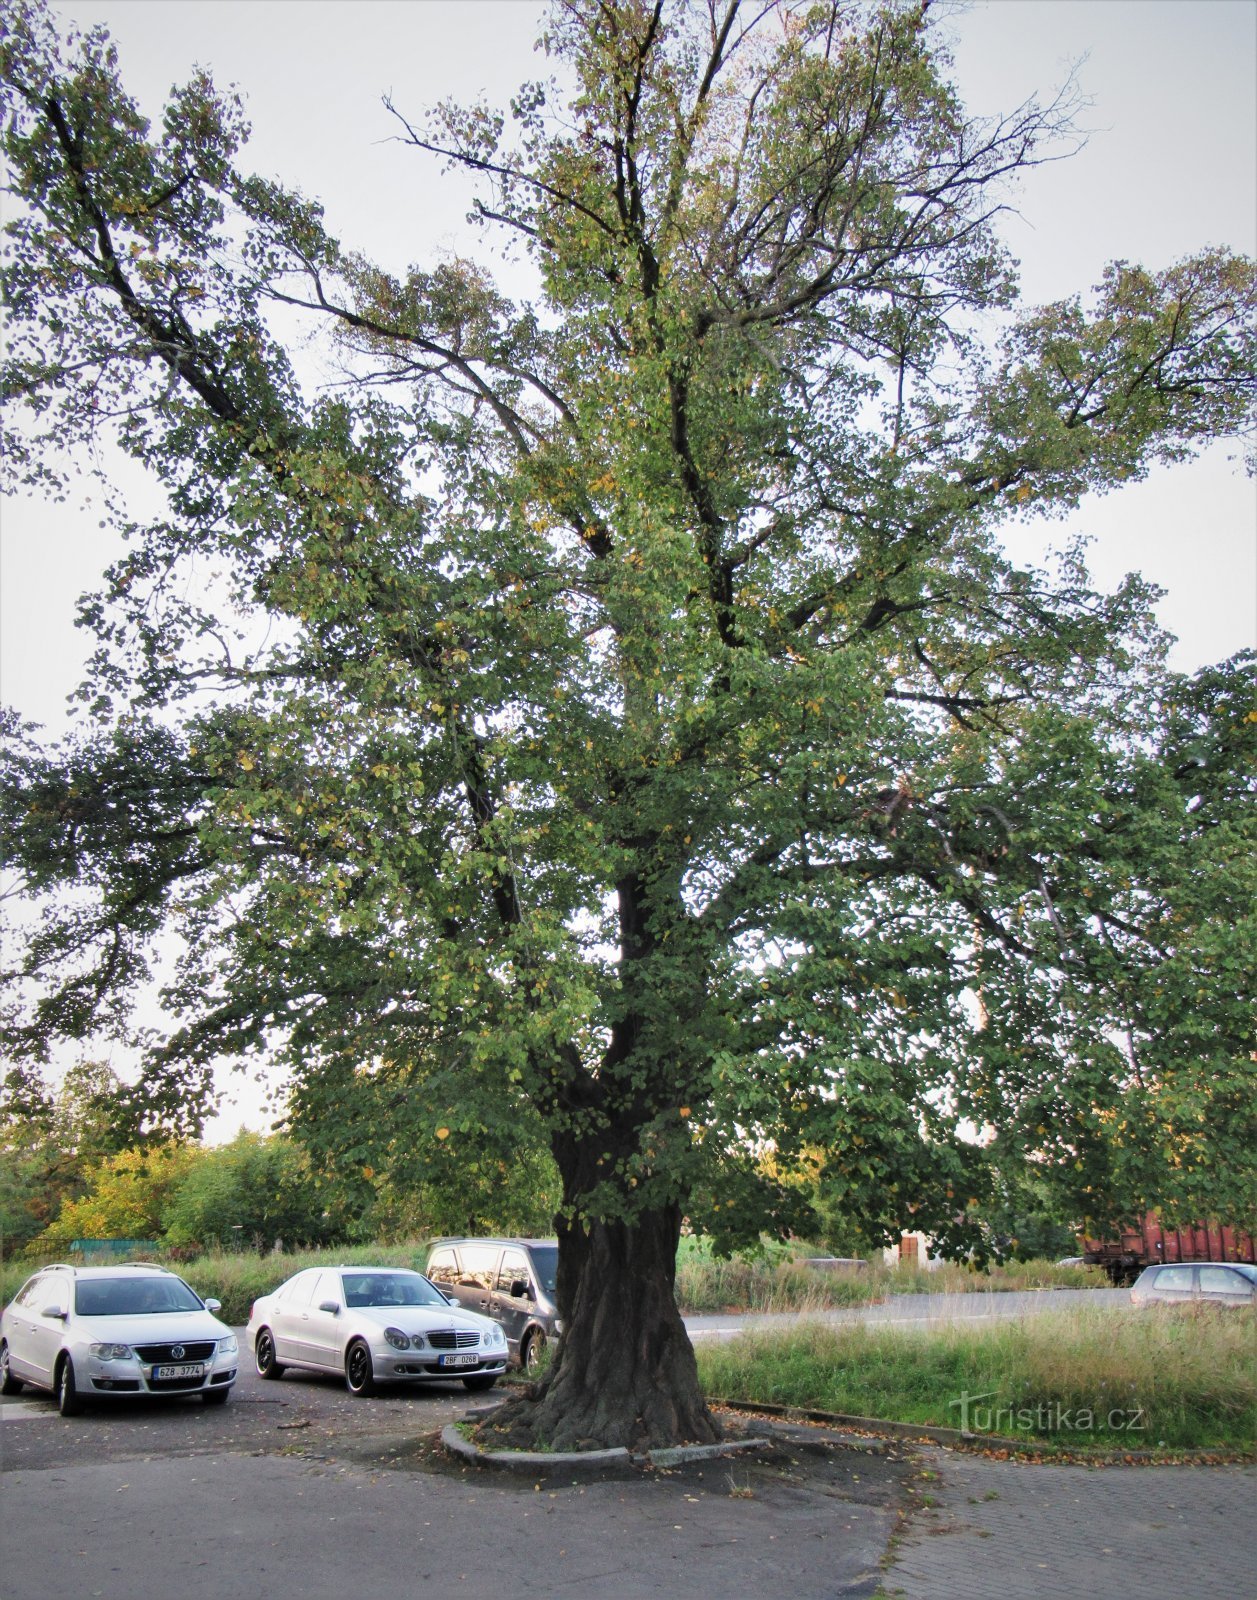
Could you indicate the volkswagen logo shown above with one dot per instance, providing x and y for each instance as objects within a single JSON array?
[{"x": 177, "y": 1351}]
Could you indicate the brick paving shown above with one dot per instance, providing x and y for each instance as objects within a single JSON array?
[{"x": 1002, "y": 1530}]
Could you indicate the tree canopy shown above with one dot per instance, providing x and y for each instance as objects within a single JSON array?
[{"x": 613, "y": 714}]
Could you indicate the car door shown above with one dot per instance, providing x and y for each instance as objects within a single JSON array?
[
  {"x": 289, "y": 1316},
  {"x": 324, "y": 1330},
  {"x": 442, "y": 1269},
  {"x": 1225, "y": 1286},
  {"x": 477, "y": 1272},
  {"x": 1174, "y": 1284},
  {"x": 514, "y": 1296},
  {"x": 45, "y": 1332},
  {"x": 22, "y": 1330}
]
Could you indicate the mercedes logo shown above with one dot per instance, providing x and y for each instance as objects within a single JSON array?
[{"x": 177, "y": 1351}]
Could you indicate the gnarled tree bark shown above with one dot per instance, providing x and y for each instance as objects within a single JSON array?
[{"x": 624, "y": 1371}]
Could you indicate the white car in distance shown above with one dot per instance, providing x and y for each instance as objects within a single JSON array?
[{"x": 373, "y": 1326}]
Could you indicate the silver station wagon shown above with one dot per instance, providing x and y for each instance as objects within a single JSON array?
[{"x": 112, "y": 1333}]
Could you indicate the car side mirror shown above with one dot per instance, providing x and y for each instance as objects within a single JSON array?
[
  {"x": 449, "y": 1299},
  {"x": 213, "y": 1305},
  {"x": 519, "y": 1290},
  {"x": 55, "y": 1309},
  {"x": 330, "y": 1305}
]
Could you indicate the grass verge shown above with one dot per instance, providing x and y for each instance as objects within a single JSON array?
[
  {"x": 777, "y": 1279},
  {"x": 1172, "y": 1377}
]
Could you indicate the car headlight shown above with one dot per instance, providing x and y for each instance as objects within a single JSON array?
[
  {"x": 112, "y": 1352},
  {"x": 398, "y": 1339},
  {"x": 495, "y": 1338},
  {"x": 228, "y": 1346}
]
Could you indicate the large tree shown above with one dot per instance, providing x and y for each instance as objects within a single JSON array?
[{"x": 616, "y": 709}]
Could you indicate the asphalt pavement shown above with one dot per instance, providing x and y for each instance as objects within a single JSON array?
[{"x": 296, "y": 1488}]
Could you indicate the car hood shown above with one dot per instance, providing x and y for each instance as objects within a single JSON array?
[
  {"x": 421, "y": 1319},
  {"x": 163, "y": 1328}
]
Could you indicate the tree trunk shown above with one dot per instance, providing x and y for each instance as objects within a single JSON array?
[{"x": 624, "y": 1371}]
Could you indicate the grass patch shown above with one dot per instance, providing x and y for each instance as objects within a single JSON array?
[
  {"x": 1179, "y": 1377},
  {"x": 952, "y": 1277},
  {"x": 768, "y": 1281},
  {"x": 776, "y": 1279}
]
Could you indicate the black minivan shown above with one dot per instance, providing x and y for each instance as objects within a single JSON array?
[{"x": 510, "y": 1280}]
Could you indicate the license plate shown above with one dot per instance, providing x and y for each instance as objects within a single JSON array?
[
  {"x": 460, "y": 1361},
  {"x": 191, "y": 1369}
]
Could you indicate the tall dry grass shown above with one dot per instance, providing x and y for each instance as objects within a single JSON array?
[{"x": 1179, "y": 1376}]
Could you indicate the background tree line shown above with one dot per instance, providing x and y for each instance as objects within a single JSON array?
[{"x": 71, "y": 1169}]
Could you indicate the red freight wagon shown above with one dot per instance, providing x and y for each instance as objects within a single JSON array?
[{"x": 1146, "y": 1243}]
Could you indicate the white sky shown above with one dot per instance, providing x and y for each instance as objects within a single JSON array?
[{"x": 1170, "y": 167}]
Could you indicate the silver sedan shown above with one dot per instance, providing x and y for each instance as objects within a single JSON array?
[{"x": 373, "y": 1325}]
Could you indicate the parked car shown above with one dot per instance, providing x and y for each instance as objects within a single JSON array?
[
  {"x": 109, "y": 1333},
  {"x": 1222, "y": 1283},
  {"x": 373, "y": 1325},
  {"x": 510, "y": 1280}
]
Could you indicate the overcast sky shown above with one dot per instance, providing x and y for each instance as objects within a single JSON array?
[{"x": 1170, "y": 166}]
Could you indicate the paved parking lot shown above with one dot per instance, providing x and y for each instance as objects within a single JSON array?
[
  {"x": 297, "y": 1488},
  {"x": 1002, "y": 1530},
  {"x": 299, "y": 1410}
]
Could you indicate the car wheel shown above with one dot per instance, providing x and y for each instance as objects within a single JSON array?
[
  {"x": 359, "y": 1375},
  {"x": 68, "y": 1402},
  {"x": 534, "y": 1348},
  {"x": 215, "y": 1397},
  {"x": 264, "y": 1356},
  {"x": 477, "y": 1381},
  {"x": 8, "y": 1383}
]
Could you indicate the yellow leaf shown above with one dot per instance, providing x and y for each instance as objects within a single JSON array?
[
  {"x": 442, "y": 1133},
  {"x": 245, "y": 760}
]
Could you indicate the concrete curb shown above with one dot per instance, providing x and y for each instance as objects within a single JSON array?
[
  {"x": 953, "y": 1438},
  {"x": 535, "y": 1461},
  {"x": 675, "y": 1455}
]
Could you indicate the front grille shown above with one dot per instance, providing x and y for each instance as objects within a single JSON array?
[
  {"x": 164, "y": 1354},
  {"x": 454, "y": 1339}
]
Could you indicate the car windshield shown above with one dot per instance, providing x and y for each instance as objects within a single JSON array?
[
  {"x": 132, "y": 1297},
  {"x": 390, "y": 1289},
  {"x": 546, "y": 1260}
]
